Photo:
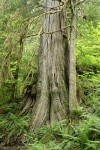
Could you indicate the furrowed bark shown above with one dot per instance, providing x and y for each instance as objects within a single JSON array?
[{"x": 52, "y": 93}]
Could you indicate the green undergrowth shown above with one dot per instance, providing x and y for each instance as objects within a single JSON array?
[
  {"x": 85, "y": 135},
  {"x": 63, "y": 136},
  {"x": 12, "y": 127},
  {"x": 90, "y": 84}
]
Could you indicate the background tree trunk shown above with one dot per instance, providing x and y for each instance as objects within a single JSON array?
[
  {"x": 72, "y": 61},
  {"x": 52, "y": 89}
]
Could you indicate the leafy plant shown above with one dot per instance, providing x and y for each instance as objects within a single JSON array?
[{"x": 13, "y": 127}]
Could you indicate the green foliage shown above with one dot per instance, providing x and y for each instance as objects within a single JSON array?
[
  {"x": 79, "y": 111},
  {"x": 12, "y": 127},
  {"x": 88, "y": 57},
  {"x": 38, "y": 146},
  {"x": 61, "y": 136},
  {"x": 90, "y": 84},
  {"x": 88, "y": 132}
]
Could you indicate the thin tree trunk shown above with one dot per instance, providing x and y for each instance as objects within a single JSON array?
[
  {"x": 52, "y": 92},
  {"x": 72, "y": 61}
]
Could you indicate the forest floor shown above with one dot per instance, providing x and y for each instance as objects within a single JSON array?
[{"x": 11, "y": 147}]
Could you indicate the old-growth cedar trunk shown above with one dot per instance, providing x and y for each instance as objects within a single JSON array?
[{"x": 52, "y": 88}]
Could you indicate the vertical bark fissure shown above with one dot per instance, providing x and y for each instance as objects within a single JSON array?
[
  {"x": 49, "y": 47},
  {"x": 50, "y": 101}
]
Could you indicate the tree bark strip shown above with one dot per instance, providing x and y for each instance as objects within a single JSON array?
[{"x": 72, "y": 60}]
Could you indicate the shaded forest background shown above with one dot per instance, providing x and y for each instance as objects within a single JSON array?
[{"x": 20, "y": 28}]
